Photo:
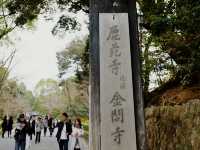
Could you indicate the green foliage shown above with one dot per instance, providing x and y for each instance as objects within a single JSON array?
[
  {"x": 77, "y": 98},
  {"x": 76, "y": 55},
  {"x": 46, "y": 87},
  {"x": 3, "y": 75},
  {"x": 79, "y": 108},
  {"x": 174, "y": 28},
  {"x": 15, "y": 98},
  {"x": 85, "y": 123},
  {"x": 64, "y": 24},
  {"x": 56, "y": 112},
  {"x": 16, "y": 13},
  {"x": 39, "y": 107},
  {"x": 83, "y": 75},
  {"x": 47, "y": 94},
  {"x": 55, "y": 98},
  {"x": 25, "y": 10},
  {"x": 74, "y": 6}
]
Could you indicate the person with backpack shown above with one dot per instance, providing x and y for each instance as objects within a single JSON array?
[{"x": 20, "y": 133}]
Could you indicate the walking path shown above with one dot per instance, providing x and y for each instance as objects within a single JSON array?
[{"x": 47, "y": 143}]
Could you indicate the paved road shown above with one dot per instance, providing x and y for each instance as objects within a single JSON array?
[{"x": 47, "y": 143}]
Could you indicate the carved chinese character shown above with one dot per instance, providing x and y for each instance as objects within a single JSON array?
[
  {"x": 117, "y": 135},
  {"x": 118, "y": 115},
  {"x": 114, "y": 51},
  {"x": 117, "y": 100},
  {"x": 115, "y": 67},
  {"x": 114, "y": 33}
]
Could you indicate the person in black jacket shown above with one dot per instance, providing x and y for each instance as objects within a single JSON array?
[
  {"x": 64, "y": 130},
  {"x": 50, "y": 125},
  {"x": 10, "y": 126},
  {"x": 33, "y": 125},
  {"x": 4, "y": 126},
  {"x": 20, "y": 133}
]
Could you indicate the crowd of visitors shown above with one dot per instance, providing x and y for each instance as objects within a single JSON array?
[{"x": 69, "y": 135}]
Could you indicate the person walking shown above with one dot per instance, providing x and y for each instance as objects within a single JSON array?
[
  {"x": 4, "y": 126},
  {"x": 55, "y": 123},
  {"x": 77, "y": 141},
  {"x": 64, "y": 131},
  {"x": 29, "y": 132},
  {"x": 45, "y": 122},
  {"x": 33, "y": 126},
  {"x": 20, "y": 133},
  {"x": 38, "y": 129},
  {"x": 10, "y": 126},
  {"x": 50, "y": 125},
  {"x": 30, "y": 128}
]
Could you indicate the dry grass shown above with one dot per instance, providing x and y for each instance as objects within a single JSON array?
[
  {"x": 179, "y": 95},
  {"x": 174, "y": 127}
]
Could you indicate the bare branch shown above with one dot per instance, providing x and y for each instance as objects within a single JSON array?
[{"x": 7, "y": 64}]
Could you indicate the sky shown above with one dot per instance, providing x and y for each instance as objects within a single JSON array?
[{"x": 36, "y": 50}]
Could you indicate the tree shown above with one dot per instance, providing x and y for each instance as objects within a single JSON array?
[
  {"x": 174, "y": 28},
  {"x": 74, "y": 6},
  {"x": 16, "y": 13},
  {"x": 47, "y": 96},
  {"x": 76, "y": 103},
  {"x": 13, "y": 98},
  {"x": 45, "y": 87},
  {"x": 75, "y": 56},
  {"x": 5, "y": 64},
  {"x": 55, "y": 98}
]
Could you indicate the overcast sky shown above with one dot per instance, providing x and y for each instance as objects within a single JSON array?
[{"x": 36, "y": 51}]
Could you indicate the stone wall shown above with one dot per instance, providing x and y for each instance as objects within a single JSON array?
[{"x": 174, "y": 127}]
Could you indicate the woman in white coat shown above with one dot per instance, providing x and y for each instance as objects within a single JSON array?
[{"x": 77, "y": 140}]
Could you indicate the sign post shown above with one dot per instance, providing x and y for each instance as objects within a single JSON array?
[{"x": 116, "y": 99}]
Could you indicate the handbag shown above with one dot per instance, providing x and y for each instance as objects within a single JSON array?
[
  {"x": 17, "y": 135},
  {"x": 77, "y": 145}
]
